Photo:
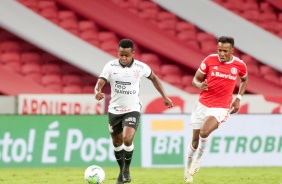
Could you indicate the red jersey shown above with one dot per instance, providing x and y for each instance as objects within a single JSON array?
[{"x": 221, "y": 79}]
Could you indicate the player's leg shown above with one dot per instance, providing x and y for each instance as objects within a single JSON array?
[
  {"x": 209, "y": 125},
  {"x": 115, "y": 129},
  {"x": 130, "y": 124},
  {"x": 190, "y": 153},
  {"x": 197, "y": 119}
]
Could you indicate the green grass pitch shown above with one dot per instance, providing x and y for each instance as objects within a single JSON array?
[{"x": 214, "y": 175}]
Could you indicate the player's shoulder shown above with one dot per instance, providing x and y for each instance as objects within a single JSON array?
[
  {"x": 138, "y": 63},
  {"x": 238, "y": 61},
  {"x": 212, "y": 58}
]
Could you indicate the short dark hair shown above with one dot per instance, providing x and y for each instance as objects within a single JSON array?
[
  {"x": 126, "y": 43},
  {"x": 226, "y": 39}
]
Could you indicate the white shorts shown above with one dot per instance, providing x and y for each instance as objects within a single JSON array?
[{"x": 200, "y": 112}]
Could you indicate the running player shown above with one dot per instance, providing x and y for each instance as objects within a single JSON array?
[
  {"x": 124, "y": 76},
  {"x": 216, "y": 77}
]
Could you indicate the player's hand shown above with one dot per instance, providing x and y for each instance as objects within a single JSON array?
[
  {"x": 99, "y": 96},
  {"x": 235, "y": 106},
  {"x": 204, "y": 85},
  {"x": 168, "y": 102}
]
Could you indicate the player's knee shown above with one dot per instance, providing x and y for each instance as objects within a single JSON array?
[
  {"x": 204, "y": 133},
  {"x": 127, "y": 141}
]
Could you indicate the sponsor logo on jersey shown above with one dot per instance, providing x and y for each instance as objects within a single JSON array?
[
  {"x": 233, "y": 70},
  {"x": 215, "y": 68},
  {"x": 221, "y": 75},
  {"x": 203, "y": 66}
]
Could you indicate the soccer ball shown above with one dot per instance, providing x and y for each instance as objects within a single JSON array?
[{"x": 94, "y": 175}]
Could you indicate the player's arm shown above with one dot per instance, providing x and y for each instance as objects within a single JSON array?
[
  {"x": 158, "y": 85},
  {"x": 200, "y": 81},
  {"x": 236, "y": 103},
  {"x": 98, "y": 89}
]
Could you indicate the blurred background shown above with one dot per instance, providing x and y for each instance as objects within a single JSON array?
[{"x": 52, "y": 51}]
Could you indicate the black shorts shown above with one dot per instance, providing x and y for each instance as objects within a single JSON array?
[{"x": 118, "y": 121}]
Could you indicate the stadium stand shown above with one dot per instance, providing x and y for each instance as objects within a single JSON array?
[{"x": 159, "y": 28}]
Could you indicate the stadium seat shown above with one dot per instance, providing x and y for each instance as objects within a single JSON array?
[
  {"x": 89, "y": 80},
  {"x": 185, "y": 26},
  {"x": 187, "y": 35},
  {"x": 110, "y": 46},
  {"x": 173, "y": 79},
  {"x": 10, "y": 46},
  {"x": 13, "y": 66},
  {"x": 148, "y": 14},
  {"x": 253, "y": 68},
  {"x": 56, "y": 87},
  {"x": 34, "y": 76},
  {"x": 66, "y": 15},
  {"x": 106, "y": 36},
  {"x": 30, "y": 57},
  {"x": 47, "y": 4},
  {"x": 150, "y": 58},
  {"x": 169, "y": 69},
  {"x": 86, "y": 25},
  {"x": 69, "y": 24},
  {"x": 156, "y": 69},
  {"x": 31, "y": 68},
  {"x": 251, "y": 15},
  {"x": 8, "y": 57},
  {"x": 248, "y": 59},
  {"x": 71, "y": 79},
  {"x": 50, "y": 68},
  {"x": 31, "y": 4},
  {"x": 265, "y": 7},
  {"x": 51, "y": 79},
  {"x": 267, "y": 70},
  {"x": 187, "y": 80},
  {"x": 250, "y": 5},
  {"x": 50, "y": 14},
  {"x": 202, "y": 36},
  {"x": 70, "y": 69},
  {"x": 88, "y": 89},
  {"x": 72, "y": 89},
  {"x": 164, "y": 15},
  {"x": 145, "y": 5},
  {"x": 272, "y": 77},
  {"x": 209, "y": 46},
  {"x": 89, "y": 35}
]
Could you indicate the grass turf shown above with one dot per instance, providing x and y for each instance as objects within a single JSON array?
[{"x": 215, "y": 175}]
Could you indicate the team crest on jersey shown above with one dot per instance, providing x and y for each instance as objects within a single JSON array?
[
  {"x": 233, "y": 70},
  {"x": 203, "y": 66},
  {"x": 136, "y": 74}
]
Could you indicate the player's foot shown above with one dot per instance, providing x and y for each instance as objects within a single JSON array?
[
  {"x": 187, "y": 177},
  {"x": 126, "y": 175},
  {"x": 119, "y": 179},
  {"x": 195, "y": 167}
]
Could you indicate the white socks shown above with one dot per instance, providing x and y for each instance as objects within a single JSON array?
[
  {"x": 202, "y": 146},
  {"x": 191, "y": 151}
]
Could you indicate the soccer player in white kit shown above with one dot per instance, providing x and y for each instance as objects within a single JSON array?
[
  {"x": 124, "y": 75},
  {"x": 216, "y": 77}
]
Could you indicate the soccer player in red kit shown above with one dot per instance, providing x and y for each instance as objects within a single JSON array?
[{"x": 216, "y": 77}]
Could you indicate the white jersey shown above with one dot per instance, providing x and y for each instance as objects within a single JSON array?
[{"x": 125, "y": 85}]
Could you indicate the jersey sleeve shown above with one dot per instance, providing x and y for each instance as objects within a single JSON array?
[
  {"x": 204, "y": 66},
  {"x": 147, "y": 70},
  {"x": 106, "y": 72},
  {"x": 243, "y": 70}
]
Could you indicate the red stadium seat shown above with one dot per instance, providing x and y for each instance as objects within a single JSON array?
[
  {"x": 71, "y": 79},
  {"x": 265, "y": 7},
  {"x": 89, "y": 80},
  {"x": 10, "y": 46},
  {"x": 88, "y": 89},
  {"x": 191, "y": 89},
  {"x": 253, "y": 68},
  {"x": 188, "y": 35},
  {"x": 30, "y": 57},
  {"x": 70, "y": 69},
  {"x": 145, "y": 5},
  {"x": 150, "y": 58},
  {"x": 169, "y": 69},
  {"x": 86, "y": 25},
  {"x": 109, "y": 46},
  {"x": 47, "y": 4},
  {"x": 202, "y": 36},
  {"x": 50, "y": 68},
  {"x": 8, "y": 57},
  {"x": 106, "y": 36},
  {"x": 89, "y": 35},
  {"x": 72, "y": 89},
  {"x": 174, "y": 80},
  {"x": 34, "y": 76},
  {"x": 51, "y": 79},
  {"x": 56, "y": 87},
  {"x": 272, "y": 77},
  {"x": 31, "y": 68},
  {"x": 187, "y": 80},
  {"x": 267, "y": 70},
  {"x": 164, "y": 15},
  {"x": 185, "y": 26},
  {"x": 14, "y": 66},
  {"x": 209, "y": 47},
  {"x": 148, "y": 14},
  {"x": 248, "y": 59},
  {"x": 66, "y": 15}
]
